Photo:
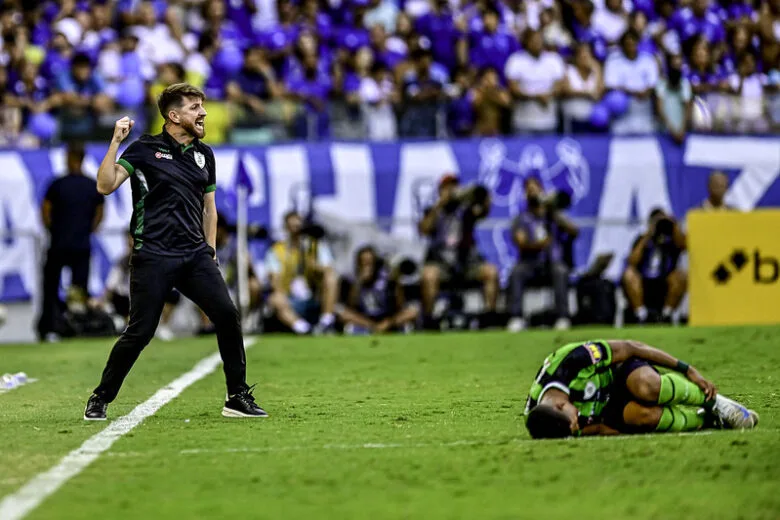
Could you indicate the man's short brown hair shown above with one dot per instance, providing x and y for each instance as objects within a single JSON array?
[{"x": 173, "y": 96}]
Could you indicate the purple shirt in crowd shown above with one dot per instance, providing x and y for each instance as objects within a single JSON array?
[
  {"x": 441, "y": 31},
  {"x": 687, "y": 25},
  {"x": 491, "y": 50}
]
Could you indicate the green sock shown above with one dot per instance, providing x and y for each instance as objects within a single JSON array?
[
  {"x": 680, "y": 419},
  {"x": 677, "y": 389}
]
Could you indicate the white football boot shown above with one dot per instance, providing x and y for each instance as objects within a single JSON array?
[{"x": 733, "y": 414}]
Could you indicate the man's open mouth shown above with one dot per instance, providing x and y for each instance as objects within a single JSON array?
[{"x": 199, "y": 124}]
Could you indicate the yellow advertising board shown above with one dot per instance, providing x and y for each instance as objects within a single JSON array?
[{"x": 734, "y": 259}]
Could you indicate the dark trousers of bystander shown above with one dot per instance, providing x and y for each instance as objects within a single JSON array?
[
  {"x": 197, "y": 277},
  {"x": 56, "y": 260},
  {"x": 555, "y": 274}
]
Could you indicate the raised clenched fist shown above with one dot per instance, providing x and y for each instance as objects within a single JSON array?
[{"x": 122, "y": 129}]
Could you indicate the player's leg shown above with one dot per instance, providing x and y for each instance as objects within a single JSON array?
[
  {"x": 632, "y": 286},
  {"x": 150, "y": 281},
  {"x": 647, "y": 385},
  {"x": 677, "y": 285},
  {"x": 671, "y": 418},
  {"x": 672, "y": 390},
  {"x": 521, "y": 273}
]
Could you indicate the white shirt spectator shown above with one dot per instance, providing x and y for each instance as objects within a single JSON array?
[
  {"x": 417, "y": 8},
  {"x": 385, "y": 14},
  {"x": 533, "y": 11},
  {"x": 157, "y": 46},
  {"x": 609, "y": 25},
  {"x": 197, "y": 69},
  {"x": 266, "y": 15},
  {"x": 535, "y": 77},
  {"x": 580, "y": 108},
  {"x": 377, "y": 107},
  {"x": 749, "y": 109},
  {"x": 640, "y": 74},
  {"x": 109, "y": 66},
  {"x": 674, "y": 102}
]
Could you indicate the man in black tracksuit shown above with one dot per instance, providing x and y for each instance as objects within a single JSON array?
[{"x": 174, "y": 221}]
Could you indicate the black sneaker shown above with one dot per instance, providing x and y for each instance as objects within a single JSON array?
[
  {"x": 243, "y": 405},
  {"x": 96, "y": 409}
]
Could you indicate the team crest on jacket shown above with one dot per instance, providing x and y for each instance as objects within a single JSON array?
[{"x": 200, "y": 159}]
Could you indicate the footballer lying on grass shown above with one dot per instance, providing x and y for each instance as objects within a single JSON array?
[{"x": 612, "y": 387}]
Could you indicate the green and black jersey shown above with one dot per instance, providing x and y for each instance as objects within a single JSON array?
[
  {"x": 582, "y": 371},
  {"x": 169, "y": 181}
]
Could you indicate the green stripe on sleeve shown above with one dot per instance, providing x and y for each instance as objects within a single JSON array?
[
  {"x": 126, "y": 165},
  {"x": 210, "y": 188}
]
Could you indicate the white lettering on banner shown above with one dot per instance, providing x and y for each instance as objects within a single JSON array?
[
  {"x": 288, "y": 179},
  {"x": 635, "y": 170},
  {"x": 18, "y": 212},
  {"x": 254, "y": 169},
  {"x": 354, "y": 186},
  {"x": 758, "y": 160},
  {"x": 421, "y": 167}
]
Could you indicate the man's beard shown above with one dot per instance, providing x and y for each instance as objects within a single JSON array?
[{"x": 194, "y": 131}]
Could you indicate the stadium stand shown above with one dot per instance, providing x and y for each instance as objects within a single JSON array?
[{"x": 382, "y": 69}]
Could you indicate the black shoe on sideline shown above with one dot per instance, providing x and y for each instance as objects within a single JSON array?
[
  {"x": 243, "y": 405},
  {"x": 96, "y": 409}
]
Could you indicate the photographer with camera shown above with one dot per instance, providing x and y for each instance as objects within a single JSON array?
[
  {"x": 540, "y": 234},
  {"x": 652, "y": 281},
  {"x": 452, "y": 255},
  {"x": 376, "y": 300},
  {"x": 305, "y": 285}
]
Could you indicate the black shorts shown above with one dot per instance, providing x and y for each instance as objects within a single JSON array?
[{"x": 619, "y": 395}]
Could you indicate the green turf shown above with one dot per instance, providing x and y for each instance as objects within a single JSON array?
[{"x": 420, "y": 426}]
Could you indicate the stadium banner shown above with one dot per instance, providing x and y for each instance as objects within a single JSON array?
[
  {"x": 734, "y": 263},
  {"x": 386, "y": 186}
]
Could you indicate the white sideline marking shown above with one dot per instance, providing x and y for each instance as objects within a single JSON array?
[
  {"x": 43, "y": 485},
  {"x": 386, "y": 446}
]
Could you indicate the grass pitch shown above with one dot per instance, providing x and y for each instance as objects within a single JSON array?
[{"x": 424, "y": 426}]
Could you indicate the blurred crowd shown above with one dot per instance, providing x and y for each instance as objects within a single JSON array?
[{"x": 384, "y": 69}]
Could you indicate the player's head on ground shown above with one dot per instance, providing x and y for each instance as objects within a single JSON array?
[
  {"x": 554, "y": 417},
  {"x": 547, "y": 422},
  {"x": 181, "y": 104}
]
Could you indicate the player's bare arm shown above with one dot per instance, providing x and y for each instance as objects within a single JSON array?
[
  {"x": 210, "y": 220},
  {"x": 623, "y": 350},
  {"x": 110, "y": 174}
]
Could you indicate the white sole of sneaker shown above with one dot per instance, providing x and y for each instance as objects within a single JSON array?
[
  {"x": 234, "y": 414},
  {"x": 94, "y": 419}
]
